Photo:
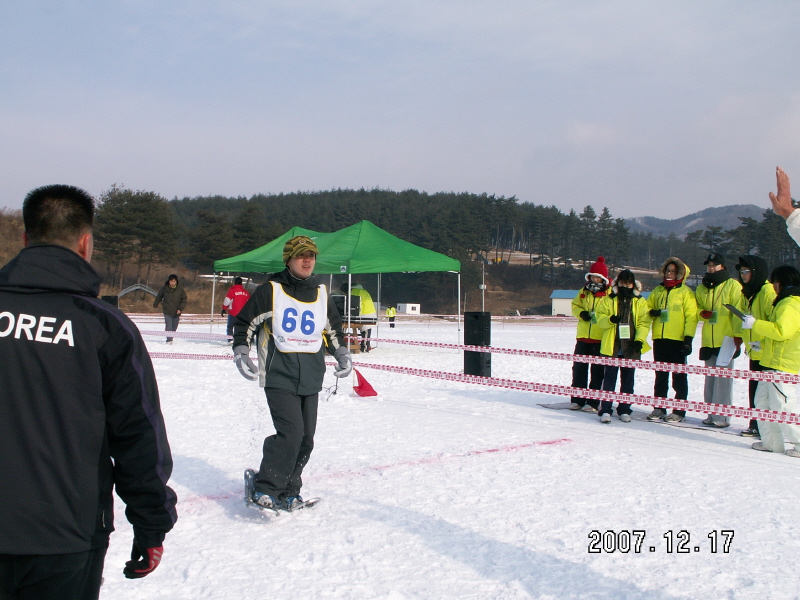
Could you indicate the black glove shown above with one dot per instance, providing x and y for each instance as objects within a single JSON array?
[
  {"x": 145, "y": 555},
  {"x": 655, "y": 312},
  {"x": 222, "y": 312},
  {"x": 637, "y": 345},
  {"x": 614, "y": 318},
  {"x": 586, "y": 315},
  {"x": 687, "y": 345}
]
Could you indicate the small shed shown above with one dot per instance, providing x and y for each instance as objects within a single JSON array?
[
  {"x": 561, "y": 302},
  {"x": 408, "y": 309}
]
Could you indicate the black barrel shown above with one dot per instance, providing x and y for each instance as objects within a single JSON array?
[{"x": 478, "y": 332}]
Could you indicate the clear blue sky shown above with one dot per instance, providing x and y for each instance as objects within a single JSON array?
[{"x": 649, "y": 108}]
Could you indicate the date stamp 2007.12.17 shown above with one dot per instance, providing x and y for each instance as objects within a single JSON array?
[{"x": 637, "y": 541}]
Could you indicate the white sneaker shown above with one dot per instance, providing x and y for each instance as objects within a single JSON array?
[
  {"x": 574, "y": 406},
  {"x": 606, "y": 418},
  {"x": 656, "y": 415},
  {"x": 588, "y": 408},
  {"x": 793, "y": 452},
  {"x": 673, "y": 418},
  {"x": 760, "y": 446},
  {"x": 625, "y": 418}
]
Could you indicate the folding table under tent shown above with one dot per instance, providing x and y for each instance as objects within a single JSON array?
[{"x": 358, "y": 249}]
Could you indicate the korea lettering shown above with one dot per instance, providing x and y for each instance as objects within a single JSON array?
[{"x": 36, "y": 329}]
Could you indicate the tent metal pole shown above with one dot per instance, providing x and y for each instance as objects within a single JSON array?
[
  {"x": 347, "y": 306},
  {"x": 378, "y": 313},
  {"x": 213, "y": 293},
  {"x": 458, "y": 316}
]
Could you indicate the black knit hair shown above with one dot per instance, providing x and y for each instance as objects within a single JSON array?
[
  {"x": 788, "y": 277},
  {"x": 57, "y": 214},
  {"x": 237, "y": 281},
  {"x": 627, "y": 276},
  {"x": 172, "y": 276}
]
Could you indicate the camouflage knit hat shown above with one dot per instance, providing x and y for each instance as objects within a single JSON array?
[{"x": 297, "y": 245}]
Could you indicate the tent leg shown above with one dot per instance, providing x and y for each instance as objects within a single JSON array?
[
  {"x": 347, "y": 306},
  {"x": 378, "y": 313},
  {"x": 458, "y": 316},
  {"x": 213, "y": 293}
]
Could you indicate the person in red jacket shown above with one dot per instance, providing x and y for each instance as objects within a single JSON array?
[{"x": 235, "y": 299}]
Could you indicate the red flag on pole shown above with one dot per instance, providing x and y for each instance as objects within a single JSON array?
[{"x": 363, "y": 388}]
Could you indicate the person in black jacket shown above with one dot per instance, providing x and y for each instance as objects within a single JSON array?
[
  {"x": 292, "y": 321},
  {"x": 173, "y": 299},
  {"x": 79, "y": 414}
]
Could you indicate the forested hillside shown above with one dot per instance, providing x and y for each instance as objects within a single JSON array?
[{"x": 141, "y": 236}]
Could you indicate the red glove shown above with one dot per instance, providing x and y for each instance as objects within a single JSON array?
[
  {"x": 136, "y": 567},
  {"x": 706, "y": 314}
]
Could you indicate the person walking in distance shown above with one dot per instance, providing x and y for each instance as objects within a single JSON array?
[
  {"x": 292, "y": 321},
  {"x": 174, "y": 300},
  {"x": 673, "y": 309},
  {"x": 79, "y": 415},
  {"x": 235, "y": 299},
  {"x": 758, "y": 295},
  {"x": 391, "y": 313},
  {"x": 589, "y": 335}
]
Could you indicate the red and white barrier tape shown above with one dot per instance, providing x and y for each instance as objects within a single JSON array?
[
  {"x": 778, "y": 377},
  {"x": 562, "y": 390},
  {"x": 608, "y": 361},
  {"x": 191, "y": 335},
  {"x": 548, "y": 388}
]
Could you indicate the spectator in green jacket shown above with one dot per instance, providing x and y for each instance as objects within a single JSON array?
[
  {"x": 673, "y": 309},
  {"x": 625, "y": 317},
  {"x": 588, "y": 336},
  {"x": 757, "y": 297},
  {"x": 717, "y": 290},
  {"x": 780, "y": 336}
]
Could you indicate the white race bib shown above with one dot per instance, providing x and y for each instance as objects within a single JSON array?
[{"x": 297, "y": 326}]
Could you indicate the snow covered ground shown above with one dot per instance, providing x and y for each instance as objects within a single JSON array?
[{"x": 442, "y": 490}]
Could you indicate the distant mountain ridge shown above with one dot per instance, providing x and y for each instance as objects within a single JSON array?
[{"x": 726, "y": 217}]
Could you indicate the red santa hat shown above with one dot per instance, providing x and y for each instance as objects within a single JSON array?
[{"x": 599, "y": 269}]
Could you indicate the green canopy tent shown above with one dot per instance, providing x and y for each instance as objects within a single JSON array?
[
  {"x": 360, "y": 248},
  {"x": 266, "y": 259}
]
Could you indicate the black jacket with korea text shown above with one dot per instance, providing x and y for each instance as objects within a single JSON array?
[{"x": 79, "y": 412}]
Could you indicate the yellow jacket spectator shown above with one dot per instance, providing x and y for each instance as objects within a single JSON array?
[
  {"x": 716, "y": 290},
  {"x": 756, "y": 300},
  {"x": 639, "y": 321},
  {"x": 673, "y": 309},
  {"x": 780, "y": 352},
  {"x": 366, "y": 310},
  {"x": 367, "y": 305},
  {"x": 588, "y": 336},
  {"x": 674, "y": 303},
  {"x": 625, "y": 318},
  {"x": 391, "y": 313}
]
